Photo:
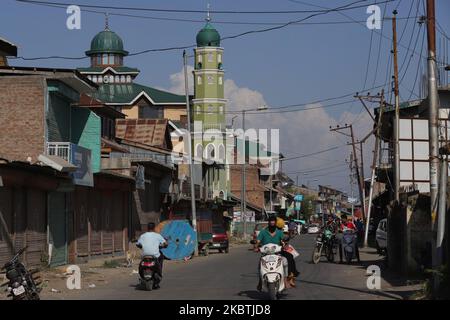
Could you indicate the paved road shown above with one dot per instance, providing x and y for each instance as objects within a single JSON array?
[{"x": 233, "y": 276}]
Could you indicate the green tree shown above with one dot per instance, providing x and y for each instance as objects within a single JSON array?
[{"x": 307, "y": 209}]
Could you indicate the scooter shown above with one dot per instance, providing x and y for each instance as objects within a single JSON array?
[
  {"x": 149, "y": 276},
  {"x": 149, "y": 270},
  {"x": 271, "y": 270},
  {"x": 348, "y": 244}
]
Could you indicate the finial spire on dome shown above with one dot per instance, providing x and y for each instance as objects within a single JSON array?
[
  {"x": 106, "y": 21},
  {"x": 208, "y": 16}
]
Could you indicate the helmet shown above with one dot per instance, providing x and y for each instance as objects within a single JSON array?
[{"x": 280, "y": 223}]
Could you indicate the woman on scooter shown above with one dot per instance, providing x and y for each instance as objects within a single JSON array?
[{"x": 347, "y": 225}]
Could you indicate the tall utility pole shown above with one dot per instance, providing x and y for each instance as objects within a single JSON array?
[
  {"x": 355, "y": 158},
  {"x": 243, "y": 179},
  {"x": 191, "y": 164},
  {"x": 374, "y": 166},
  {"x": 397, "y": 113},
  {"x": 363, "y": 205},
  {"x": 433, "y": 125}
]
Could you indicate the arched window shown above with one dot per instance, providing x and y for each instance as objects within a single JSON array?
[
  {"x": 111, "y": 79},
  {"x": 199, "y": 109},
  {"x": 122, "y": 79},
  {"x": 199, "y": 151},
  {"x": 128, "y": 78},
  {"x": 117, "y": 79},
  {"x": 221, "y": 157},
  {"x": 210, "y": 153}
]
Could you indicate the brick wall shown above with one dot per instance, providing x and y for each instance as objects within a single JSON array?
[
  {"x": 254, "y": 189},
  {"x": 21, "y": 117}
]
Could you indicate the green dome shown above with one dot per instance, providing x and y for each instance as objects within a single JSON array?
[
  {"x": 106, "y": 41},
  {"x": 208, "y": 37}
]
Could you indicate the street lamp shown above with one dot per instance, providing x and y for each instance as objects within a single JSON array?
[{"x": 243, "y": 182}]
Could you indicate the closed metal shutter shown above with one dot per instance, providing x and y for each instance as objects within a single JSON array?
[
  {"x": 57, "y": 219},
  {"x": 107, "y": 213},
  {"x": 95, "y": 222},
  {"x": 36, "y": 234},
  {"x": 81, "y": 226}
]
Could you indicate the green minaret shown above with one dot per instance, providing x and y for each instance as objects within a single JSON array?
[{"x": 209, "y": 104}]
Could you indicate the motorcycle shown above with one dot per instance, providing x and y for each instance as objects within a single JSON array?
[
  {"x": 325, "y": 244},
  {"x": 348, "y": 245},
  {"x": 21, "y": 284},
  {"x": 149, "y": 276},
  {"x": 271, "y": 269},
  {"x": 149, "y": 270}
]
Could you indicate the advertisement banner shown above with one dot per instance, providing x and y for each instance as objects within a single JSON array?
[{"x": 81, "y": 157}]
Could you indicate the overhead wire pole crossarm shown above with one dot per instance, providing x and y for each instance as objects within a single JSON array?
[
  {"x": 374, "y": 166},
  {"x": 355, "y": 157}
]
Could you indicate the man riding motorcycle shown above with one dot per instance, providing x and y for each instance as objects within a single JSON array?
[
  {"x": 274, "y": 235},
  {"x": 150, "y": 243}
]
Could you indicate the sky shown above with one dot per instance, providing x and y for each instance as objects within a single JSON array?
[{"x": 335, "y": 54}]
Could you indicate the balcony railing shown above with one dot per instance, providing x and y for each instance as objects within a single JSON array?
[
  {"x": 215, "y": 126},
  {"x": 59, "y": 149}
]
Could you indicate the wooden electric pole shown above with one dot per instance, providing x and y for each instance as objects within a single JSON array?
[
  {"x": 355, "y": 157},
  {"x": 433, "y": 123},
  {"x": 397, "y": 113}
]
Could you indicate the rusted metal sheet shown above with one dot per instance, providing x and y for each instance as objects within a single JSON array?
[
  {"x": 204, "y": 226},
  {"x": 36, "y": 233},
  {"x": 117, "y": 219},
  {"x": 151, "y": 132},
  {"x": 95, "y": 234},
  {"x": 6, "y": 213},
  {"x": 107, "y": 235}
]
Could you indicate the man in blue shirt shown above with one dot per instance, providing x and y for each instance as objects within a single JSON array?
[{"x": 150, "y": 243}]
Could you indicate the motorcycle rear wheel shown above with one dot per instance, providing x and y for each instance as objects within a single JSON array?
[{"x": 148, "y": 285}]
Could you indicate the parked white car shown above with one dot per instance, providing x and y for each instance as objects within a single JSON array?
[
  {"x": 381, "y": 236},
  {"x": 314, "y": 228}
]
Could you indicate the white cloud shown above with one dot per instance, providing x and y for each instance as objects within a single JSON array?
[
  {"x": 302, "y": 132},
  {"x": 177, "y": 81}
]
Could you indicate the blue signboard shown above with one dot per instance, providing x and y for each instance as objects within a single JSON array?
[
  {"x": 81, "y": 157},
  {"x": 298, "y": 201}
]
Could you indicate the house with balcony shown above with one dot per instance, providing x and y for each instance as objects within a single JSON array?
[
  {"x": 410, "y": 230},
  {"x": 45, "y": 123}
]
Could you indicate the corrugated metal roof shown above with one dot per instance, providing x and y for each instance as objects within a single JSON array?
[
  {"x": 151, "y": 132},
  {"x": 127, "y": 93}
]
